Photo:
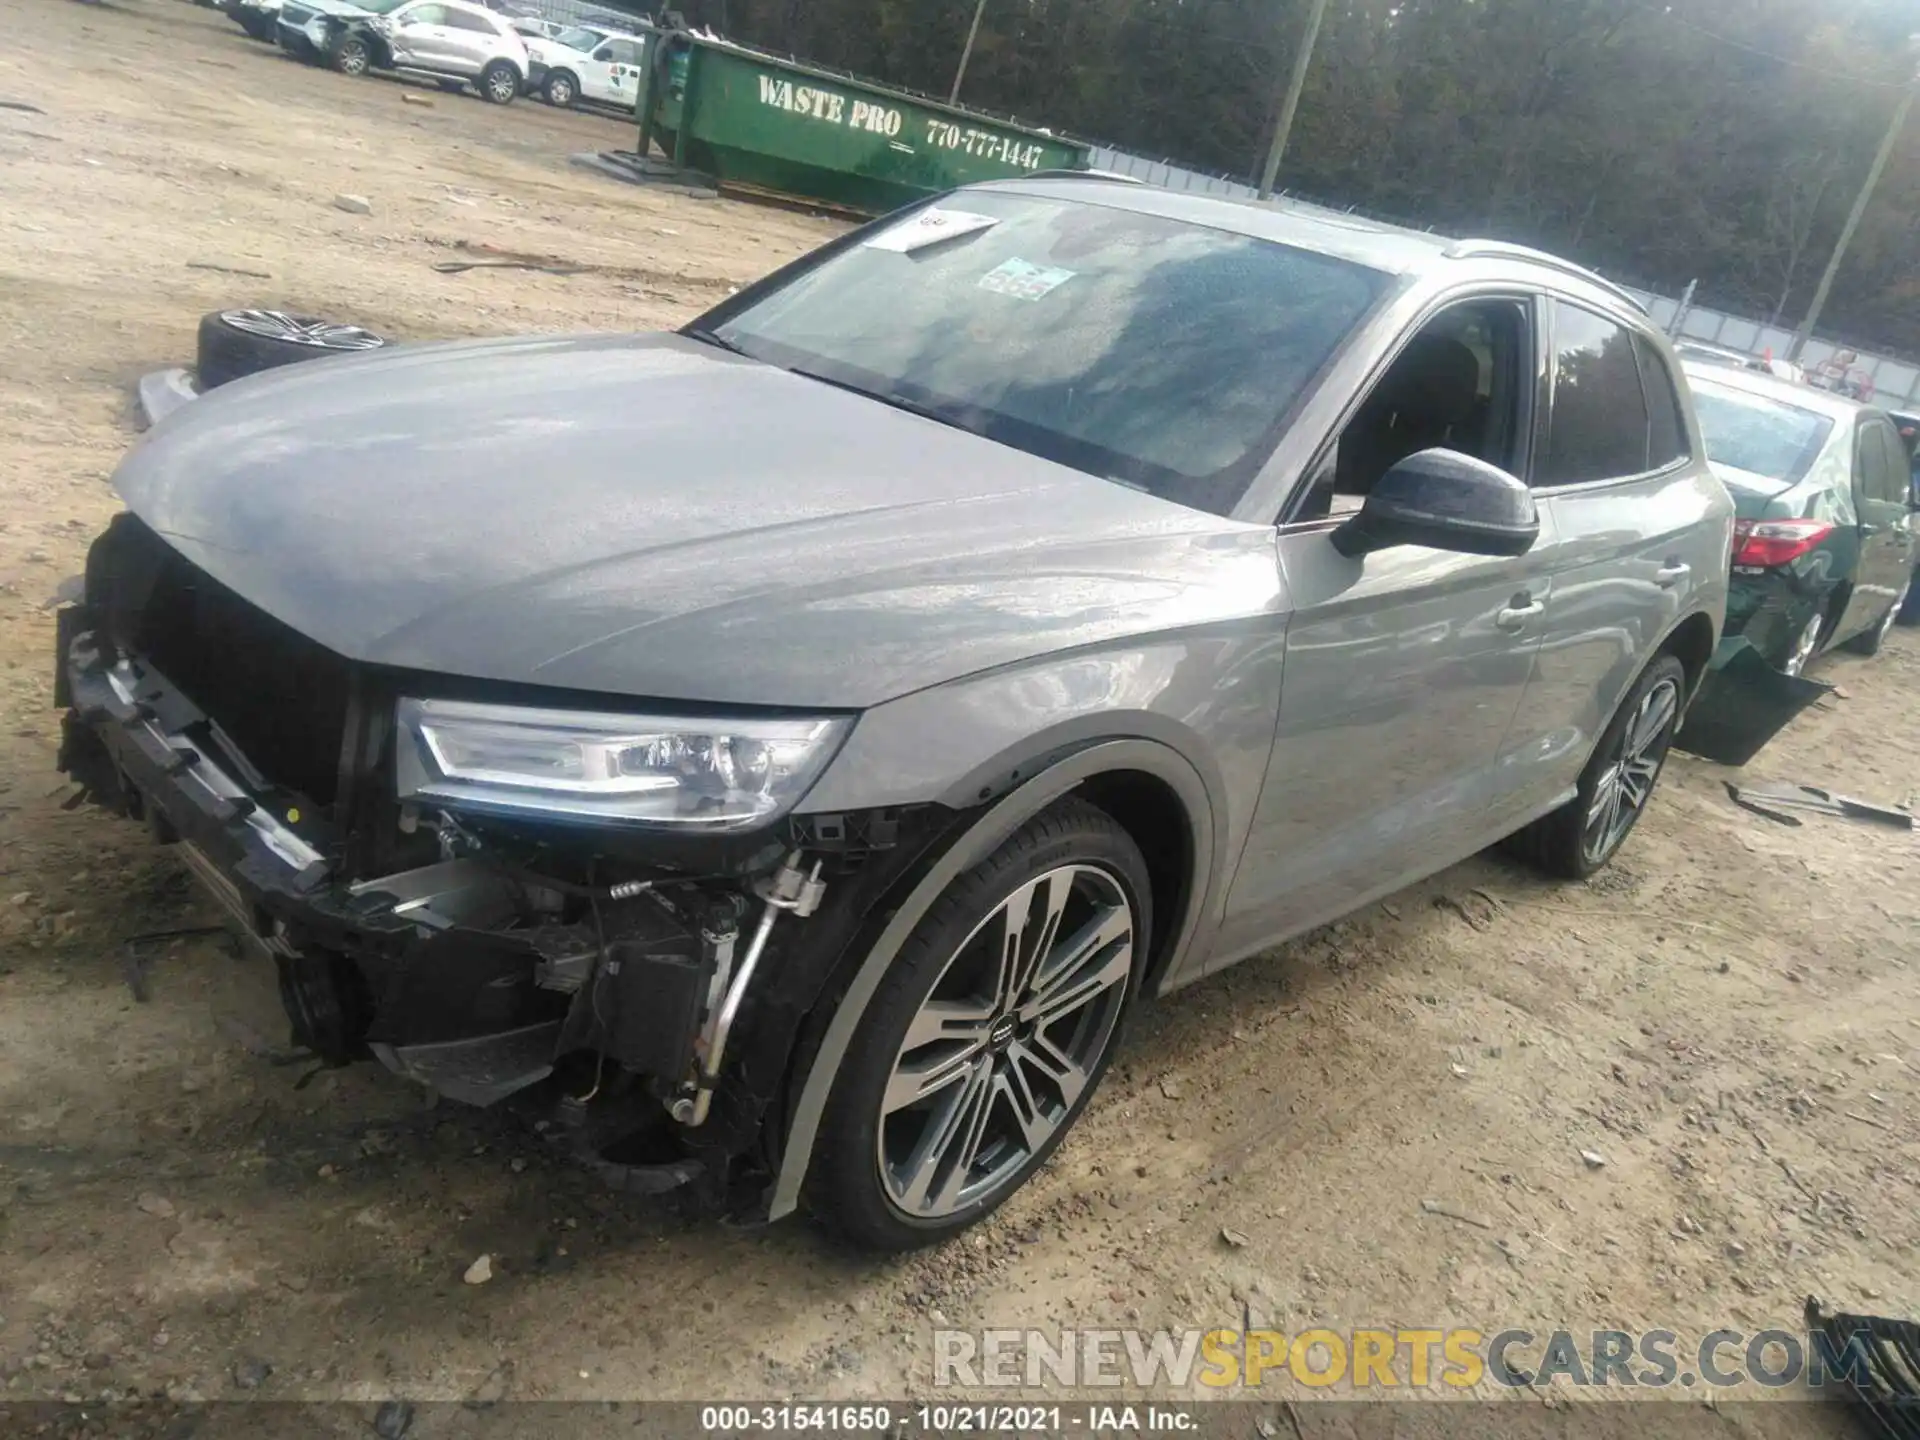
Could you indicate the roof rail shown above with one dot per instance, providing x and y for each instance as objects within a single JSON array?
[
  {"x": 1502, "y": 249},
  {"x": 1083, "y": 175}
]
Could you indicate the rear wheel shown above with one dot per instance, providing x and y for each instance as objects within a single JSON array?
[
  {"x": 499, "y": 83},
  {"x": 988, "y": 1036},
  {"x": 1806, "y": 642},
  {"x": 1584, "y": 834}
]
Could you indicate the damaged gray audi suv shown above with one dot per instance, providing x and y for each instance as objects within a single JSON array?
[{"x": 780, "y": 753}]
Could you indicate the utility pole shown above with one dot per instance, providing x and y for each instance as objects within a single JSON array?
[
  {"x": 1860, "y": 202},
  {"x": 966, "y": 53},
  {"x": 1284, "y": 125}
]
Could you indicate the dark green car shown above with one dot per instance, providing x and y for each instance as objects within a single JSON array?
[{"x": 1822, "y": 550}]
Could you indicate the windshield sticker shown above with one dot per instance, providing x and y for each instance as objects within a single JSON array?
[
  {"x": 1024, "y": 280},
  {"x": 930, "y": 227}
]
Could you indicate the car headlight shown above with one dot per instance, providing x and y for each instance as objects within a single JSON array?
[{"x": 717, "y": 774}]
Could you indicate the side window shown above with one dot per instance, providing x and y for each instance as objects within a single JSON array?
[
  {"x": 423, "y": 15},
  {"x": 1460, "y": 384},
  {"x": 626, "y": 52},
  {"x": 1599, "y": 424},
  {"x": 467, "y": 20},
  {"x": 1666, "y": 436},
  {"x": 1886, "y": 477},
  {"x": 605, "y": 52}
]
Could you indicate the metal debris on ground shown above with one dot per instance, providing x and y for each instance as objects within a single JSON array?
[
  {"x": 1441, "y": 1208},
  {"x": 1235, "y": 1238},
  {"x": 1771, "y": 800},
  {"x": 1880, "y": 1360},
  {"x": 1595, "y": 1160}
]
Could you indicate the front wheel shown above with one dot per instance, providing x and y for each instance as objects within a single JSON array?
[
  {"x": 1584, "y": 834},
  {"x": 499, "y": 83},
  {"x": 351, "y": 56},
  {"x": 989, "y": 1035},
  {"x": 560, "y": 89}
]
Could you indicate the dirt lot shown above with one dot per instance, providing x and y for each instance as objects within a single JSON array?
[{"x": 1730, "y": 1016}]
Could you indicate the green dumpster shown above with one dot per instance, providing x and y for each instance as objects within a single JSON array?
[{"x": 759, "y": 123}]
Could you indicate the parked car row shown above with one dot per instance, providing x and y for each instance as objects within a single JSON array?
[{"x": 458, "y": 43}]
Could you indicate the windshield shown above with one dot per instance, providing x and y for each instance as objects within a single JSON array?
[
  {"x": 1160, "y": 354},
  {"x": 578, "y": 39},
  {"x": 1753, "y": 433}
]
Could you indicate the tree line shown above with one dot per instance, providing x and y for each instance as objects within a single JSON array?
[{"x": 1660, "y": 141}]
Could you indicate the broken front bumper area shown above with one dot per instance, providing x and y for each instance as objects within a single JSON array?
[{"x": 471, "y": 973}]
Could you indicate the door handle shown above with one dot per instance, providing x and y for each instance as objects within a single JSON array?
[
  {"x": 1515, "y": 616},
  {"x": 1672, "y": 574}
]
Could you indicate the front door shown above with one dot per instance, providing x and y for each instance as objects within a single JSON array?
[
  {"x": 1404, "y": 667},
  {"x": 1880, "y": 485},
  {"x": 420, "y": 37},
  {"x": 596, "y": 77}
]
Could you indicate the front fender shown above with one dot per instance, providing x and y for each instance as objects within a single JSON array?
[{"x": 988, "y": 831}]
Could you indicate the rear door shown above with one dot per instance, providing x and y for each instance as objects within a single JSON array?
[
  {"x": 1880, "y": 487},
  {"x": 472, "y": 40},
  {"x": 1639, "y": 528}
]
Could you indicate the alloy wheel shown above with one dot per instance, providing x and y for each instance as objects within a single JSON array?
[
  {"x": 1627, "y": 782},
  {"x": 1804, "y": 645},
  {"x": 320, "y": 334},
  {"x": 1006, "y": 1042},
  {"x": 1893, "y": 611},
  {"x": 502, "y": 86},
  {"x": 559, "y": 92}
]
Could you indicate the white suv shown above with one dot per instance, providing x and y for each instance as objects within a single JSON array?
[{"x": 451, "y": 40}]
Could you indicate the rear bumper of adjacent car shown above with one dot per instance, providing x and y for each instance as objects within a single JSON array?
[{"x": 1770, "y": 609}]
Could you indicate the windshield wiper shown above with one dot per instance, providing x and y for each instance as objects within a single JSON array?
[
  {"x": 713, "y": 338},
  {"x": 898, "y": 402}
]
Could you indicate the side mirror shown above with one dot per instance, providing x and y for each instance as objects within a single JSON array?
[{"x": 1445, "y": 500}]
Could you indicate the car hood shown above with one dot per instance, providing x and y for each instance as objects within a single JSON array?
[
  {"x": 551, "y": 52},
  {"x": 650, "y": 516}
]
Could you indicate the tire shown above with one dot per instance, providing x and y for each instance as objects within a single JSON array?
[
  {"x": 560, "y": 89},
  {"x": 1562, "y": 844},
  {"x": 499, "y": 83},
  {"x": 351, "y": 55},
  {"x": 1910, "y": 612},
  {"x": 1007, "y": 1060},
  {"x": 1804, "y": 648},
  {"x": 1869, "y": 641},
  {"x": 234, "y": 343}
]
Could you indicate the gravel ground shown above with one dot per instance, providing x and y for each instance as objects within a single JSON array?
[{"x": 1729, "y": 1016}]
